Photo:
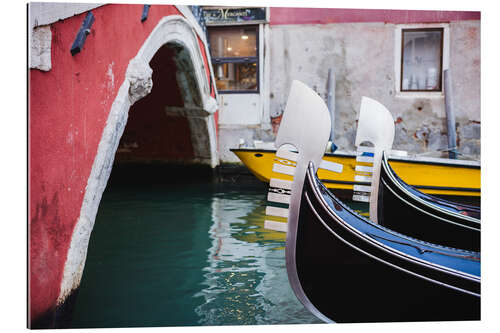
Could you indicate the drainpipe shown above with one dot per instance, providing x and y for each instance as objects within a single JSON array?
[
  {"x": 450, "y": 116},
  {"x": 330, "y": 87}
]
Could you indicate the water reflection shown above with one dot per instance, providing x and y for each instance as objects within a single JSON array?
[
  {"x": 245, "y": 276},
  {"x": 182, "y": 254}
]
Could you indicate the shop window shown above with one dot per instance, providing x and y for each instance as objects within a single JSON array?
[
  {"x": 421, "y": 59},
  {"x": 235, "y": 56}
]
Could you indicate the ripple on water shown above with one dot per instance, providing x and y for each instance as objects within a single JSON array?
[{"x": 192, "y": 255}]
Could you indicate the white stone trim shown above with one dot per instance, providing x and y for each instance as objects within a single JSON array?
[
  {"x": 40, "y": 48},
  {"x": 191, "y": 19},
  {"x": 101, "y": 169},
  {"x": 136, "y": 85},
  {"x": 43, "y": 13},
  {"x": 186, "y": 12}
]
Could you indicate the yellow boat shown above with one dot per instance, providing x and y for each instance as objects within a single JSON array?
[{"x": 436, "y": 176}]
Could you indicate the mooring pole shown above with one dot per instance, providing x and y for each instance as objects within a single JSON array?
[
  {"x": 450, "y": 115},
  {"x": 330, "y": 103}
]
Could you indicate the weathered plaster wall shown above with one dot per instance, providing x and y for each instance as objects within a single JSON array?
[
  {"x": 231, "y": 136},
  {"x": 465, "y": 62},
  {"x": 363, "y": 58},
  {"x": 69, "y": 107}
]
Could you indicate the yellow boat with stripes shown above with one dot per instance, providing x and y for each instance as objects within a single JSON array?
[{"x": 436, "y": 176}]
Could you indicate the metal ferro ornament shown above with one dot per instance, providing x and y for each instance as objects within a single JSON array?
[{"x": 306, "y": 126}]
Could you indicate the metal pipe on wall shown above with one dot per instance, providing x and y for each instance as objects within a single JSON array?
[
  {"x": 331, "y": 104},
  {"x": 450, "y": 115}
]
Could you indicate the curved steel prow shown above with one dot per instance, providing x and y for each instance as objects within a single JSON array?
[
  {"x": 306, "y": 126},
  {"x": 375, "y": 125}
]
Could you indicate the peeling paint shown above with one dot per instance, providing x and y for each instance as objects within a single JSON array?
[{"x": 111, "y": 76}]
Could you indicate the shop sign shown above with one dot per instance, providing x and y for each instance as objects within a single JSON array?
[{"x": 214, "y": 16}]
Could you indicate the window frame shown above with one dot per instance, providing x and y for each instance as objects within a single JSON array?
[
  {"x": 398, "y": 59},
  {"x": 238, "y": 60},
  {"x": 441, "y": 51}
]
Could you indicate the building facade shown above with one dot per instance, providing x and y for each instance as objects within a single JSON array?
[
  {"x": 397, "y": 57},
  {"x": 173, "y": 84}
]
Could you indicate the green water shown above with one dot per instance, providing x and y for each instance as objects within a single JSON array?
[{"x": 183, "y": 254}]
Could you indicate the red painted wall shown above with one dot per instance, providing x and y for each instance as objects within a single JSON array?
[
  {"x": 283, "y": 15},
  {"x": 68, "y": 108}
]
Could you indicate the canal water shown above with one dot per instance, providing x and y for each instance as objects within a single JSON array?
[{"x": 184, "y": 252}]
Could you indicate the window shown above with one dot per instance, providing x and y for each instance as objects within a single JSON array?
[
  {"x": 421, "y": 59},
  {"x": 235, "y": 56}
]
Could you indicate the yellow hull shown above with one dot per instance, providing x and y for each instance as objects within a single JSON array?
[{"x": 437, "y": 178}]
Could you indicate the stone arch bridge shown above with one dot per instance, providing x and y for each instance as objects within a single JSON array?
[{"x": 133, "y": 78}]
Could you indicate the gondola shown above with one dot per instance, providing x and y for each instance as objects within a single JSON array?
[
  {"x": 345, "y": 268},
  {"x": 349, "y": 269},
  {"x": 403, "y": 208}
]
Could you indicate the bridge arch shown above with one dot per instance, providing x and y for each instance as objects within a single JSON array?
[{"x": 198, "y": 106}]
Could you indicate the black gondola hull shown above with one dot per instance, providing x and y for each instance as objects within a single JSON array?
[
  {"x": 351, "y": 280},
  {"x": 410, "y": 212}
]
